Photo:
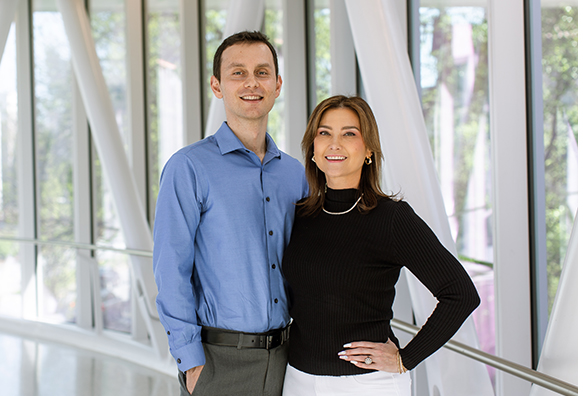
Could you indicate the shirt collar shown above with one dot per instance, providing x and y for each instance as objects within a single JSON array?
[{"x": 228, "y": 142}]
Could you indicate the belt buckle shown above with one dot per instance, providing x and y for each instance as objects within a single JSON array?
[{"x": 269, "y": 341}]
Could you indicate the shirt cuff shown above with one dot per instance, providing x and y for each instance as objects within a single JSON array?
[{"x": 189, "y": 356}]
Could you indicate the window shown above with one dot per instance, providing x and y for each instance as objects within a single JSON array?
[
  {"x": 10, "y": 265},
  {"x": 108, "y": 24},
  {"x": 454, "y": 84},
  {"x": 53, "y": 78},
  {"x": 560, "y": 90}
]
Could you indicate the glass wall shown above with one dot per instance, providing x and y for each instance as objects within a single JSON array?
[
  {"x": 323, "y": 65},
  {"x": 165, "y": 129},
  {"x": 108, "y": 25},
  {"x": 454, "y": 83},
  {"x": 559, "y": 27},
  {"x": 10, "y": 268},
  {"x": 53, "y": 77}
]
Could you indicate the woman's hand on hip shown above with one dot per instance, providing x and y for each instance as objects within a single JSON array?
[{"x": 380, "y": 356}]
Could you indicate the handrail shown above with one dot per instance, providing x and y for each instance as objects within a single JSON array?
[
  {"x": 525, "y": 373},
  {"x": 88, "y": 246}
]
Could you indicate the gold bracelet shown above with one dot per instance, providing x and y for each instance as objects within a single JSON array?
[{"x": 400, "y": 366}]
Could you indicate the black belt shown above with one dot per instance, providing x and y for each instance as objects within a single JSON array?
[{"x": 269, "y": 340}]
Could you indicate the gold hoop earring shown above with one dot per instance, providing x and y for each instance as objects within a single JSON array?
[{"x": 368, "y": 160}]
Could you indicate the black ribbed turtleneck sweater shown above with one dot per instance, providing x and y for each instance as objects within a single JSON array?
[{"x": 342, "y": 271}]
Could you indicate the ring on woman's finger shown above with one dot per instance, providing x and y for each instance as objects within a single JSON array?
[{"x": 368, "y": 360}]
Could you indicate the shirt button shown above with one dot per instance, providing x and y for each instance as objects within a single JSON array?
[
  {"x": 267, "y": 199},
  {"x": 168, "y": 332},
  {"x": 275, "y": 300},
  {"x": 179, "y": 361},
  {"x": 270, "y": 232},
  {"x": 272, "y": 266}
]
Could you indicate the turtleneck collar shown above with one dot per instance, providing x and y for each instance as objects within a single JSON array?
[{"x": 340, "y": 200}]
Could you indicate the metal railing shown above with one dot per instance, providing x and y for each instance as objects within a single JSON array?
[
  {"x": 517, "y": 370},
  {"x": 77, "y": 245},
  {"x": 525, "y": 373}
]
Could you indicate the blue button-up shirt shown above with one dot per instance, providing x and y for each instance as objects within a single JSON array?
[{"x": 223, "y": 219}]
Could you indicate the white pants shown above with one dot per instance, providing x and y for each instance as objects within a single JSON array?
[{"x": 298, "y": 383}]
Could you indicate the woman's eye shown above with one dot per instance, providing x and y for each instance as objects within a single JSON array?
[
  {"x": 350, "y": 134},
  {"x": 323, "y": 133}
]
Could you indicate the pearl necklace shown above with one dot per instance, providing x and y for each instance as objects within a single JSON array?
[{"x": 346, "y": 211}]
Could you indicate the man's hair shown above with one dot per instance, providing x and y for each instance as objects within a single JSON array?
[
  {"x": 245, "y": 37},
  {"x": 370, "y": 178}
]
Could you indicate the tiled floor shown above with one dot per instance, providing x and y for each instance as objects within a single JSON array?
[{"x": 33, "y": 368}]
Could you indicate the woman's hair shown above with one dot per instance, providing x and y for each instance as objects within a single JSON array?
[{"x": 370, "y": 178}]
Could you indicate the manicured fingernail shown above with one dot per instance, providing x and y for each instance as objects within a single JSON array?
[
  {"x": 343, "y": 357},
  {"x": 347, "y": 345},
  {"x": 342, "y": 353},
  {"x": 353, "y": 362}
]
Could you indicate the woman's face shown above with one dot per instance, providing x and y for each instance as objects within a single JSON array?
[{"x": 339, "y": 150}]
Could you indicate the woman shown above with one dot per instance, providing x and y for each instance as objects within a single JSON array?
[{"x": 348, "y": 245}]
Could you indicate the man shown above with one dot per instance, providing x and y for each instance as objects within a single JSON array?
[{"x": 223, "y": 218}]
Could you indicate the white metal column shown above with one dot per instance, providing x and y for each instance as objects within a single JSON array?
[
  {"x": 295, "y": 90},
  {"x": 191, "y": 71},
  {"x": 506, "y": 53},
  {"x": 109, "y": 145},
  {"x": 136, "y": 104},
  {"x": 136, "y": 97},
  {"x": 85, "y": 264},
  {"x": 26, "y": 173},
  {"x": 391, "y": 91},
  {"x": 242, "y": 15}
]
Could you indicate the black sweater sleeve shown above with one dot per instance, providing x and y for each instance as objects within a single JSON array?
[{"x": 415, "y": 246}]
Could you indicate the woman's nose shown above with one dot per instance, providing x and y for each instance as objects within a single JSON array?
[{"x": 335, "y": 143}]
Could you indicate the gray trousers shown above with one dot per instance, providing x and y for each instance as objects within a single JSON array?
[{"x": 230, "y": 371}]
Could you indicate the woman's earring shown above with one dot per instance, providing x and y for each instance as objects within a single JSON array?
[
  {"x": 368, "y": 160},
  {"x": 313, "y": 159}
]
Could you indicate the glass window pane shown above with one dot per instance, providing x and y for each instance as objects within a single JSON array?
[
  {"x": 10, "y": 268},
  {"x": 454, "y": 81},
  {"x": 164, "y": 86},
  {"x": 114, "y": 275},
  {"x": 57, "y": 291},
  {"x": 322, "y": 46},
  {"x": 560, "y": 92},
  {"x": 53, "y": 141},
  {"x": 108, "y": 23}
]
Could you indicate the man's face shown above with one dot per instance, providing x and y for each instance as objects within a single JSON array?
[{"x": 248, "y": 83}]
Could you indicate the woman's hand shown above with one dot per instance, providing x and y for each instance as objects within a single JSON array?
[{"x": 383, "y": 356}]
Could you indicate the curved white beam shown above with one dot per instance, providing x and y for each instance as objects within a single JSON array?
[
  {"x": 8, "y": 8},
  {"x": 559, "y": 355},
  {"x": 242, "y": 15},
  {"x": 392, "y": 93},
  {"x": 107, "y": 139}
]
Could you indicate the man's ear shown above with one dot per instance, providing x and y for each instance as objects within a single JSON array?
[
  {"x": 216, "y": 87},
  {"x": 278, "y": 86}
]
